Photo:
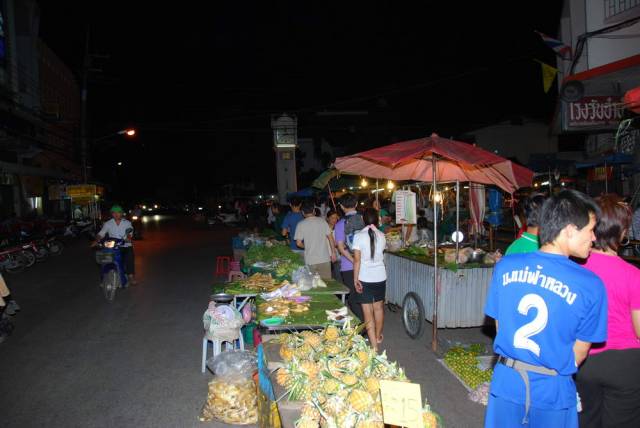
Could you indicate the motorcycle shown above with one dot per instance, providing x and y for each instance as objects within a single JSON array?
[
  {"x": 112, "y": 273},
  {"x": 12, "y": 261},
  {"x": 136, "y": 222},
  {"x": 80, "y": 228},
  {"x": 228, "y": 219}
]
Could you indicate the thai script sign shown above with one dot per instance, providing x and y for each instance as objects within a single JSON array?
[{"x": 595, "y": 111}]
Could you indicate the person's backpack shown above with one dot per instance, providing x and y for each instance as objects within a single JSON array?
[{"x": 352, "y": 224}]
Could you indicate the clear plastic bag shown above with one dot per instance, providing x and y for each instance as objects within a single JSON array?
[
  {"x": 236, "y": 364},
  {"x": 232, "y": 396},
  {"x": 232, "y": 401}
]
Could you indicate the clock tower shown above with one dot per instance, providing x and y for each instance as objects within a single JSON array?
[{"x": 285, "y": 140}]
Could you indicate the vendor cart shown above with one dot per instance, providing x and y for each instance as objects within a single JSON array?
[{"x": 436, "y": 160}]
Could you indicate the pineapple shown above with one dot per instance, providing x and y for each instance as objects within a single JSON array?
[
  {"x": 361, "y": 401},
  {"x": 429, "y": 418},
  {"x": 372, "y": 386},
  {"x": 349, "y": 379},
  {"x": 369, "y": 423},
  {"x": 311, "y": 338},
  {"x": 303, "y": 352},
  {"x": 378, "y": 405},
  {"x": 282, "y": 377},
  {"x": 331, "y": 333},
  {"x": 332, "y": 350},
  {"x": 330, "y": 386},
  {"x": 310, "y": 369},
  {"x": 310, "y": 412},
  {"x": 363, "y": 357},
  {"x": 306, "y": 423},
  {"x": 286, "y": 352}
]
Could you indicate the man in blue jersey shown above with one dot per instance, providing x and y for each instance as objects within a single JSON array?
[{"x": 548, "y": 310}]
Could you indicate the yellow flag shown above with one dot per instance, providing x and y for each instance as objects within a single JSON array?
[{"x": 548, "y": 76}]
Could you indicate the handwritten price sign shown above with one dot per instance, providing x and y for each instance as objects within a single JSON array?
[{"x": 401, "y": 403}]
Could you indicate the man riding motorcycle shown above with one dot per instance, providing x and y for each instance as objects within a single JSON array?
[{"x": 120, "y": 228}]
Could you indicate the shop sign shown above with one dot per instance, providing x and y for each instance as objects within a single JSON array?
[
  {"x": 84, "y": 200},
  {"x": 604, "y": 112},
  {"x": 600, "y": 173},
  {"x": 401, "y": 403},
  {"x": 81, "y": 191}
]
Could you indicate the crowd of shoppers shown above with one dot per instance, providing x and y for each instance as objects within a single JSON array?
[{"x": 567, "y": 306}]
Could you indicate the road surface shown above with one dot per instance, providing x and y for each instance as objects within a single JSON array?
[{"x": 75, "y": 360}]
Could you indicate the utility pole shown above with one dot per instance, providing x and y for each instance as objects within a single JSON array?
[{"x": 86, "y": 64}]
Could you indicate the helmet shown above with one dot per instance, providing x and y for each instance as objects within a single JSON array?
[{"x": 117, "y": 209}]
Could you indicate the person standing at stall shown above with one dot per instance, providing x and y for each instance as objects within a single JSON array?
[
  {"x": 370, "y": 275},
  {"x": 345, "y": 230},
  {"x": 528, "y": 241},
  {"x": 332, "y": 220},
  {"x": 609, "y": 380},
  {"x": 290, "y": 223},
  {"x": 312, "y": 234},
  {"x": 548, "y": 311}
]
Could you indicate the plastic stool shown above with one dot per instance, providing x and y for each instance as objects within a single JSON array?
[
  {"x": 217, "y": 348},
  {"x": 223, "y": 265},
  {"x": 235, "y": 275}
]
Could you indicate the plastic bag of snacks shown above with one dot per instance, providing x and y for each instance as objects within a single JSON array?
[
  {"x": 232, "y": 401},
  {"x": 232, "y": 396}
]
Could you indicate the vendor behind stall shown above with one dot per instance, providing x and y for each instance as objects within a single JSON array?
[
  {"x": 290, "y": 223},
  {"x": 528, "y": 241}
]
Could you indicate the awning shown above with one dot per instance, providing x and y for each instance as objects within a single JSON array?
[{"x": 612, "y": 159}]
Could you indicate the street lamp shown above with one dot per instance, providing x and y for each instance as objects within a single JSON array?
[{"x": 130, "y": 132}]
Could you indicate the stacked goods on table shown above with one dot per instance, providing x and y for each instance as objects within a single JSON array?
[
  {"x": 281, "y": 307},
  {"x": 467, "y": 257},
  {"x": 302, "y": 311},
  {"x": 277, "y": 258},
  {"x": 259, "y": 282},
  {"x": 337, "y": 376},
  {"x": 465, "y": 363}
]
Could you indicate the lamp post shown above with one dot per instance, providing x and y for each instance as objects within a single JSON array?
[{"x": 129, "y": 132}]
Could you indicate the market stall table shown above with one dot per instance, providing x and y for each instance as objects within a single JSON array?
[
  {"x": 462, "y": 294},
  {"x": 244, "y": 294},
  {"x": 314, "y": 318}
]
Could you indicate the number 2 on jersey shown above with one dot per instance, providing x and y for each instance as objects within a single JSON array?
[{"x": 521, "y": 339}]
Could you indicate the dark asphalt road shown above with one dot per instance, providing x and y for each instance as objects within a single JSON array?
[{"x": 75, "y": 360}]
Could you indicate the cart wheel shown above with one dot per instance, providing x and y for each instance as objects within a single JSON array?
[{"x": 413, "y": 315}]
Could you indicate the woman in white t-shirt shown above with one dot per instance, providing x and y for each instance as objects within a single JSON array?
[{"x": 370, "y": 275}]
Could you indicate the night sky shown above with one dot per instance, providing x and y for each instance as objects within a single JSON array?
[{"x": 200, "y": 82}]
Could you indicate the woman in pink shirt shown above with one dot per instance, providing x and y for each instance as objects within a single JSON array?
[{"x": 609, "y": 380}]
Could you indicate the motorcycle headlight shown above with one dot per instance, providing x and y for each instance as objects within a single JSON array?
[
  {"x": 109, "y": 244},
  {"x": 135, "y": 217}
]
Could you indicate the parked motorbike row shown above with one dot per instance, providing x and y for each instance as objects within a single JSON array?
[{"x": 25, "y": 247}]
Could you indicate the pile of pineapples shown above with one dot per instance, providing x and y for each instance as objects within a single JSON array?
[{"x": 337, "y": 375}]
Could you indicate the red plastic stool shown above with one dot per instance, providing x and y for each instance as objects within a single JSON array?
[{"x": 223, "y": 264}]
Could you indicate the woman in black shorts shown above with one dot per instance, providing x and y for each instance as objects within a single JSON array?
[{"x": 370, "y": 276}]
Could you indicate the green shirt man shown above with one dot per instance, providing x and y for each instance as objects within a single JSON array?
[{"x": 527, "y": 243}]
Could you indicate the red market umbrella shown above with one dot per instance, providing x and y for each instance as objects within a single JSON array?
[
  {"x": 632, "y": 99},
  {"x": 456, "y": 161},
  {"x": 438, "y": 160}
]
